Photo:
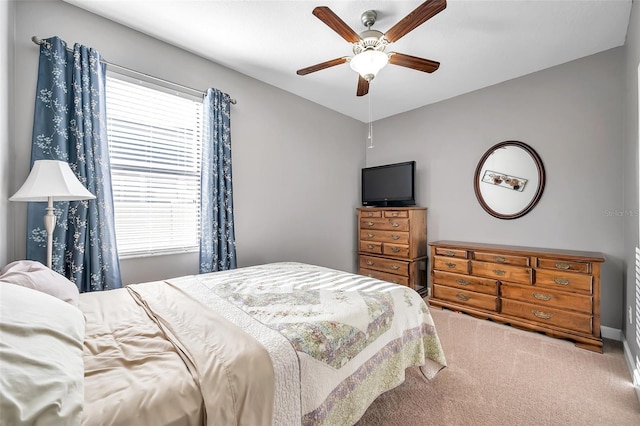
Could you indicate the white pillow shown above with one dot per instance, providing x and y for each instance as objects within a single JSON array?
[
  {"x": 41, "y": 342},
  {"x": 32, "y": 274}
]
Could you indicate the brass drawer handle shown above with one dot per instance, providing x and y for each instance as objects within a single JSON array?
[
  {"x": 541, "y": 315},
  {"x": 396, "y": 282},
  {"x": 499, "y": 272},
  {"x": 395, "y": 224},
  {"x": 561, "y": 281},
  {"x": 450, "y": 265},
  {"x": 449, "y": 253},
  {"x": 370, "y": 246},
  {"x": 395, "y": 267},
  {"x": 462, "y": 297},
  {"x": 370, "y": 263},
  {"x": 370, "y": 275},
  {"x": 370, "y": 235},
  {"x": 499, "y": 259},
  {"x": 395, "y": 249},
  {"x": 395, "y": 237},
  {"x": 462, "y": 282},
  {"x": 370, "y": 214},
  {"x": 542, "y": 296},
  {"x": 563, "y": 266},
  {"x": 394, "y": 214},
  {"x": 369, "y": 223}
]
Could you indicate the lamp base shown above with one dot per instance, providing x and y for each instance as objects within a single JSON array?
[{"x": 49, "y": 226}]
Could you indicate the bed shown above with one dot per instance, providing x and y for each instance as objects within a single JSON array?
[{"x": 282, "y": 343}]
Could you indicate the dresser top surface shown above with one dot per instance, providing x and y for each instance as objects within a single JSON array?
[
  {"x": 371, "y": 209},
  {"x": 590, "y": 256}
]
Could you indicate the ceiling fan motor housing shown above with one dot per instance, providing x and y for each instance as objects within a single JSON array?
[{"x": 370, "y": 40}]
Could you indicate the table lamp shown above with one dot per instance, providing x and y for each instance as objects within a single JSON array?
[{"x": 51, "y": 180}]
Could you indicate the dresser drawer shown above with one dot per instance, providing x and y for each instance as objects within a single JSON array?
[
  {"x": 386, "y": 224},
  {"x": 392, "y": 278},
  {"x": 371, "y": 247},
  {"x": 544, "y": 297},
  {"x": 376, "y": 213},
  {"x": 396, "y": 213},
  {"x": 466, "y": 282},
  {"x": 385, "y": 265},
  {"x": 460, "y": 266},
  {"x": 397, "y": 250},
  {"x": 515, "y": 274},
  {"x": 385, "y": 236},
  {"x": 507, "y": 259},
  {"x": 565, "y": 281},
  {"x": 548, "y": 316},
  {"x": 563, "y": 265},
  {"x": 441, "y": 251},
  {"x": 466, "y": 298}
]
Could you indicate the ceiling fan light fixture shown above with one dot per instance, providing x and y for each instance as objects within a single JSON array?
[{"x": 368, "y": 63}]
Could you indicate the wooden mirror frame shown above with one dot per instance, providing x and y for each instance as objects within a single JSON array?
[{"x": 541, "y": 180}]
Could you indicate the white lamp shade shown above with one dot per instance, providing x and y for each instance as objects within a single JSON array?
[
  {"x": 51, "y": 178},
  {"x": 368, "y": 63}
]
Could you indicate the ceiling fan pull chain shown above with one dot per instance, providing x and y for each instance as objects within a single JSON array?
[{"x": 370, "y": 124}]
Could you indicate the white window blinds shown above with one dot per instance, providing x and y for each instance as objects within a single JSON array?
[{"x": 155, "y": 150}]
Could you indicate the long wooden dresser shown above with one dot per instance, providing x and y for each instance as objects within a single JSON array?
[
  {"x": 548, "y": 290},
  {"x": 392, "y": 245}
]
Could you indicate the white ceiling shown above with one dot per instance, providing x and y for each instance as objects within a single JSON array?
[{"x": 478, "y": 42}]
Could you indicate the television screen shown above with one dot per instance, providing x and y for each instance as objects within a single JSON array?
[{"x": 390, "y": 185}]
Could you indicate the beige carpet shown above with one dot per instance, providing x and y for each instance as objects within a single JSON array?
[{"x": 499, "y": 375}]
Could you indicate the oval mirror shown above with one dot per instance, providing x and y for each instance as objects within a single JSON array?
[{"x": 509, "y": 180}]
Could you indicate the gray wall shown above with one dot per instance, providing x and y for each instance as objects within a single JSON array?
[
  {"x": 6, "y": 80},
  {"x": 295, "y": 177},
  {"x": 572, "y": 116},
  {"x": 631, "y": 175}
]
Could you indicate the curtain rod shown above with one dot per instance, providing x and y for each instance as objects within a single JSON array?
[{"x": 37, "y": 40}]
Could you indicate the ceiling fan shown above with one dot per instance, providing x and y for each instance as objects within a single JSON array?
[{"x": 369, "y": 46}]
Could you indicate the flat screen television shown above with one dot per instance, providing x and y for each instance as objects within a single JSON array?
[{"x": 391, "y": 185}]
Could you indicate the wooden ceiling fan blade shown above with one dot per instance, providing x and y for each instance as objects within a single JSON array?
[
  {"x": 363, "y": 86},
  {"x": 334, "y": 22},
  {"x": 413, "y": 62},
  {"x": 420, "y": 15},
  {"x": 322, "y": 65}
]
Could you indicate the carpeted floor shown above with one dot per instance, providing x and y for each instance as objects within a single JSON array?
[{"x": 499, "y": 375}]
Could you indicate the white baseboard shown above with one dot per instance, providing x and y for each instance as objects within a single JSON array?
[
  {"x": 611, "y": 333},
  {"x": 633, "y": 370}
]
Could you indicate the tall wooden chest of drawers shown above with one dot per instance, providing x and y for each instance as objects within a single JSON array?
[
  {"x": 392, "y": 244},
  {"x": 552, "y": 291}
]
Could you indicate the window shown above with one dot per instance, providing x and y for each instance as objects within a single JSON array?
[{"x": 155, "y": 139}]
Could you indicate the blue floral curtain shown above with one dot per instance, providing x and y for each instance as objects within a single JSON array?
[
  {"x": 70, "y": 125},
  {"x": 217, "y": 237}
]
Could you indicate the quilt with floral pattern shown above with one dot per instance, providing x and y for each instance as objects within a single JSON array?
[{"x": 336, "y": 340}]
